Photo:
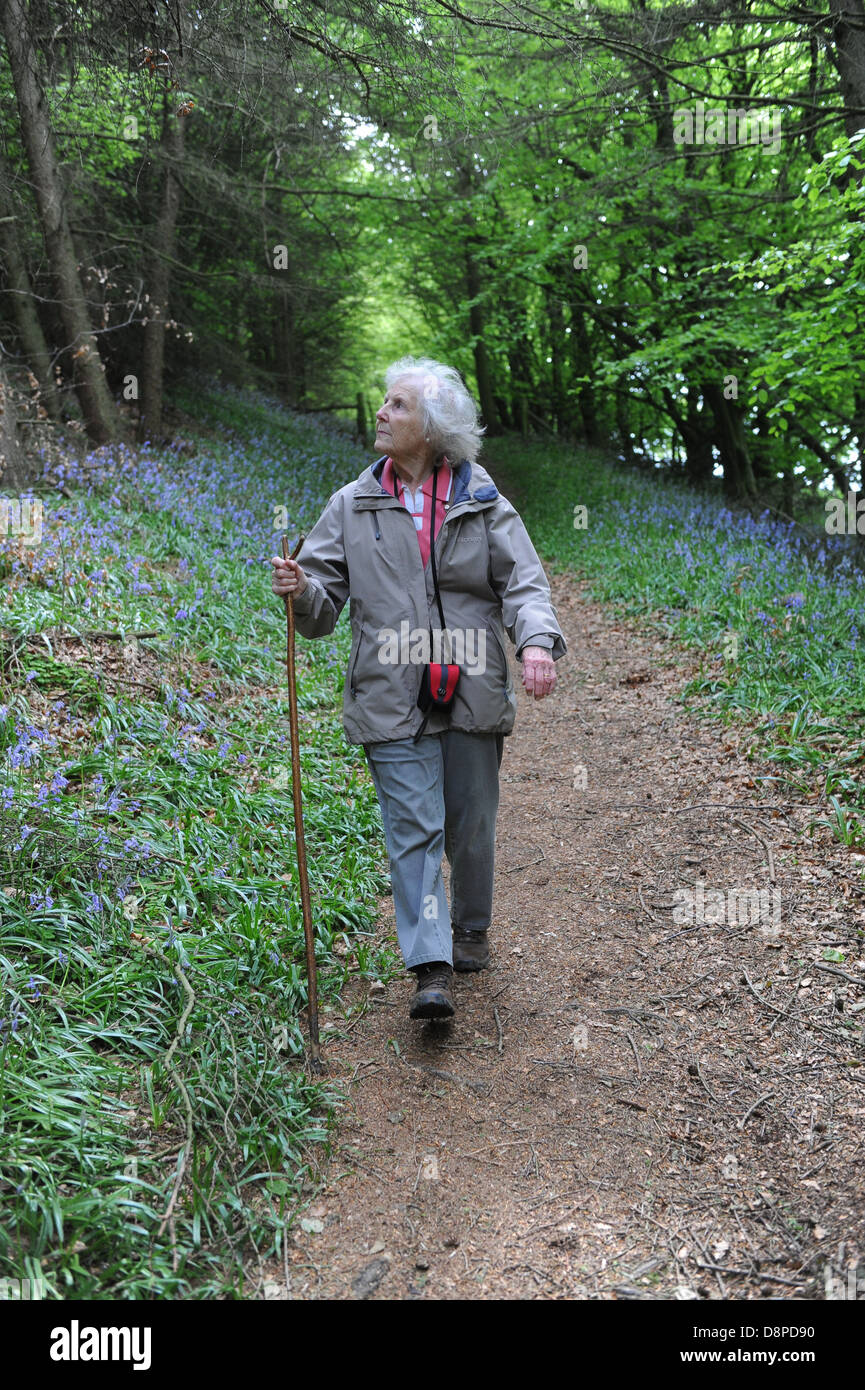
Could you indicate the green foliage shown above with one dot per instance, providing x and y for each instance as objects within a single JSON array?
[
  {"x": 152, "y": 980},
  {"x": 777, "y": 622}
]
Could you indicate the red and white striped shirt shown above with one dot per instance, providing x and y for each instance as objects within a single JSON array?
[{"x": 420, "y": 502}]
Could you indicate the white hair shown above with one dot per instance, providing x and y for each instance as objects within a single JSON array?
[{"x": 448, "y": 411}]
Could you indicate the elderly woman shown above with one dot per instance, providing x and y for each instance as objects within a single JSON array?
[{"x": 467, "y": 568}]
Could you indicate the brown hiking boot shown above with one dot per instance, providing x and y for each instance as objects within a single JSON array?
[
  {"x": 471, "y": 950},
  {"x": 433, "y": 998}
]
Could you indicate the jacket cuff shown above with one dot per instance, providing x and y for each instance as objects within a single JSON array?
[
  {"x": 542, "y": 639},
  {"x": 305, "y": 602}
]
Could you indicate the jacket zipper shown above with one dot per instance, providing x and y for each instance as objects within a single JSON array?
[
  {"x": 501, "y": 648},
  {"x": 439, "y": 542},
  {"x": 351, "y": 684}
]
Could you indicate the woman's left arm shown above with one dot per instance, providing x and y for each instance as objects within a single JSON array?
[{"x": 517, "y": 577}]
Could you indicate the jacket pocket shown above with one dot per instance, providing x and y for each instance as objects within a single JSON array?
[
  {"x": 508, "y": 684},
  {"x": 352, "y": 664}
]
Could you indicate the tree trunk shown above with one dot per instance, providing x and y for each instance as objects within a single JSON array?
[
  {"x": 477, "y": 328},
  {"x": 556, "y": 318},
  {"x": 848, "y": 54},
  {"x": 521, "y": 385},
  {"x": 291, "y": 355},
  {"x": 16, "y": 471},
  {"x": 361, "y": 420},
  {"x": 739, "y": 481},
  {"x": 858, "y": 423},
  {"x": 699, "y": 464},
  {"x": 158, "y": 274},
  {"x": 623, "y": 421},
  {"x": 477, "y": 323},
  {"x": 582, "y": 365},
  {"x": 101, "y": 418},
  {"x": 27, "y": 323},
  {"x": 695, "y": 436}
]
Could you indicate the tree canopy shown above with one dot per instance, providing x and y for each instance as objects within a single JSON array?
[{"x": 633, "y": 223}]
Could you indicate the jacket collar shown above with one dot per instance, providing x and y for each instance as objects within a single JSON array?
[{"x": 470, "y": 484}]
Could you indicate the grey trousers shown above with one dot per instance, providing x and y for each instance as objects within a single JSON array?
[{"x": 438, "y": 795}]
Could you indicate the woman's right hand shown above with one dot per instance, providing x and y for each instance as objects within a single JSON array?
[{"x": 288, "y": 579}]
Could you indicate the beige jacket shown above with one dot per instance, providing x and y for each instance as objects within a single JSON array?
[{"x": 364, "y": 549}]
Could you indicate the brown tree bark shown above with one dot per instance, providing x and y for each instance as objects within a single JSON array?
[
  {"x": 477, "y": 328},
  {"x": 101, "y": 417},
  {"x": 557, "y": 341},
  {"x": 158, "y": 272},
  {"x": 739, "y": 482},
  {"x": 477, "y": 323},
  {"x": 581, "y": 365},
  {"x": 848, "y": 53},
  {"x": 16, "y": 471},
  {"x": 694, "y": 428},
  {"x": 291, "y": 358},
  {"x": 20, "y": 293}
]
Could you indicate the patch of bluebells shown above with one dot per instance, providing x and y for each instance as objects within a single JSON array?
[
  {"x": 208, "y": 487},
  {"x": 718, "y": 547},
  {"x": 10, "y": 1024},
  {"x": 26, "y": 748},
  {"x": 26, "y": 830}
]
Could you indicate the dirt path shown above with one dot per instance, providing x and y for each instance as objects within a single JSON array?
[{"x": 625, "y": 1106}]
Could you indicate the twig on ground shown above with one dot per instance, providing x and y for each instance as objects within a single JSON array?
[
  {"x": 708, "y": 1264},
  {"x": 647, "y": 910},
  {"x": 115, "y": 636},
  {"x": 739, "y": 806},
  {"x": 763, "y": 841},
  {"x": 702, "y": 1081},
  {"x": 479, "y": 1087},
  {"x": 749, "y": 1112},
  {"x": 637, "y": 1013},
  {"x": 760, "y": 999},
  {"x": 636, "y": 1054},
  {"x": 518, "y": 868},
  {"x": 833, "y": 970}
]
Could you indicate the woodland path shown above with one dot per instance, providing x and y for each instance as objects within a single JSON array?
[{"x": 624, "y": 1107}]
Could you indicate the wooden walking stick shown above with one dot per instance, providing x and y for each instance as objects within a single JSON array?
[{"x": 311, "y": 976}]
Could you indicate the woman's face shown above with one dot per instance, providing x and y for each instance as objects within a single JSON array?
[{"x": 399, "y": 428}]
